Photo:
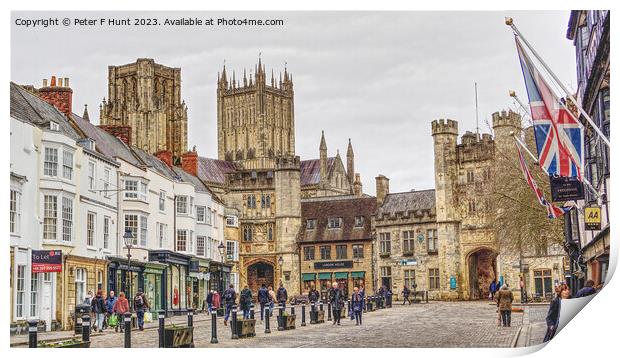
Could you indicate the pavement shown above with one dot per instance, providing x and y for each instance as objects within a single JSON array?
[{"x": 435, "y": 324}]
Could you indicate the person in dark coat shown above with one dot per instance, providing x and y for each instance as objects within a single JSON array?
[
  {"x": 230, "y": 297},
  {"x": 210, "y": 301},
  {"x": 357, "y": 305},
  {"x": 263, "y": 299},
  {"x": 282, "y": 296},
  {"x": 245, "y": 301},
  {"x": 313, "y": 295},
  {"x": 336, "y": 297},
  {"x": 99, "y": 309},
  {"x": 406, "y": 292},
  {"x": 140, "y": 305},
  {"x": 587, "y": 290},
  {"x": 492, "y": 289},
  {"x": 388, "y": 297},
  {"x": 553, "y": 315},
  {"x": 504, "y": 304}
]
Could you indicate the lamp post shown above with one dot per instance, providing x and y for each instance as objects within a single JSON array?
[
  {"x": 221, "y": 248},
  {"x": 280, "y": 263},
  {"x": 128, "y": 237}
]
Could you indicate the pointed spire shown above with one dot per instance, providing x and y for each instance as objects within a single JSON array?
[
  {"x": 285, "y": 73},
  {"x": 85, "y": 115},
  {"x": 245, "y": 78},
  {"x": 224, "y": 72},
  {"x": 338, "y": 153},
  {"x": 323, "y": 145},
  {"x": 350, "y": 148},
  {"x": 272, "y": 79}
]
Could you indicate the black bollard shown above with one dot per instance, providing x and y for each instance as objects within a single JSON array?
[
  {"x": 303, "y": 314},
  {"x": 329, "y": 311},
  {"x": 234, "y": 323},
  {"x": 426, "y": 296},
  {"x": 190, "y": 317},
  {"x": 32, "y": 333},
  {"x": 292, "y": 309},
  {"x": 251, "y": 311},
  {"x": 320, "y": 305},
  {"x": 214, "y": 327},
  {"x": 313, "y": 313},
  {"x": 162, "y": 318},
  {"x": 127, "y": 329},
  {"x": 281, "y": 318},
  {"x": 267, "y": 330},
  {"x": 85, "y": 328}
]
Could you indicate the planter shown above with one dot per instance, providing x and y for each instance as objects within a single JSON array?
[
  {"x": 320, "y": 317},
  {"x": 289, "y": 321},
  {"x": 178, "y": 337},
  {"x": 66, "y": 343},
  {"x": 246, "y": 328}
]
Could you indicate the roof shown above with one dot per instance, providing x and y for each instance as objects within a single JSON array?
[
  {"x": 155, "y": 163},
  {"x": 28, "y": 107},
  {"x": 346, "y": 208},
  {"x": 188, "y": 178},
  {"x": 410, "y": 201},
  {"x": 311, "y": 170},
  {"x": 214, "y": 170}
]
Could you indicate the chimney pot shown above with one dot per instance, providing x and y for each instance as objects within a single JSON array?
[
  {"x": 66, "y": 81},
  {"x": 45, "y": 82},
  {"x": 59, "y": 81},
  {"x": 53, "y": 81}
]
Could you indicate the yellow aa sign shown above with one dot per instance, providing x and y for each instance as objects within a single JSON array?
[{"x": 592, "y": 218}]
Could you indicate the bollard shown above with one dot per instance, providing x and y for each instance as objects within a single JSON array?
[
  {"x": 312, "y": 313},
  {"x": 234, "y": 323},
  {"x": 32, "y": 333},
  {"x": 214, "y": 327},
  {"x": 162, "y": 317},
  {"x": 267, "y": 330},
  {"x": 320, "y": 305},
  {"x": 426, "y": 296},
  {"x": 281, "y": 318},
  {"x": 292, "y": 309},
  {"x": 85, "y": 328},
  {"x": 329, "y": 310},
  {"x": 127, "y": 329},
  {"x": 303, "y": 314},
  {"x": 190, "y": 317},
  {"x": 251, "y": 311},
  {"x": 348, "y": 306}
]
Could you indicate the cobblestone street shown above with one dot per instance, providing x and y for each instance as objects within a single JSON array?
[{"x": 437, "y": 324}]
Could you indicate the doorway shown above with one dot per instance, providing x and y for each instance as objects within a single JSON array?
[
  {"x": 482, "y": 271},
  {"x": 258, "y": 274}
]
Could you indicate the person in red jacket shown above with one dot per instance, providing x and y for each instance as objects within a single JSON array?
[{"x": 120, "y": 307}]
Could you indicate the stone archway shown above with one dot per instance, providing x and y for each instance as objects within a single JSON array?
[
  {"x": 260, "y": 273},
  {"x": 482, "y": 270}
]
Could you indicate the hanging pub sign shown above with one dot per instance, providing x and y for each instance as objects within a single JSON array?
[
  {"x": 46, "y": 261},
  {"x": 592, "y": 216},
  {"x": 564, "y": 188}
]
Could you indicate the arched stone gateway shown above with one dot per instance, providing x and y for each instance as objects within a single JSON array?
[
  {"x": 482, "y": 269},
  {"x": 259, "y": 273}
]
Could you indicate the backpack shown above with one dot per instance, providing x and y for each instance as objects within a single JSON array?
[
  {"x": 139, "y": 302},
  {"x": 228, "y": 295}
]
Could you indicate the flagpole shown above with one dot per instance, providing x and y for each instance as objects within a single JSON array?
[
  {"x": 514, "y": 95},
  {"x": 510, "y": 23}
]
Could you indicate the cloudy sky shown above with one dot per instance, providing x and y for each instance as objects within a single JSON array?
[{"x": 378, "y": 78}]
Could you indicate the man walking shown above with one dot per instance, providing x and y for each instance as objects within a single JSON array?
[
  {"x": 406, "y": 294},
  {"x": 357, "y": 305},
  {"x": 209, "y": 301},
  {"x": 140, "y": 304},
  {"x": 245, "y": 301},
  {"x": 282, "y": 296},
  {"x": 230, "y": 297},
  {"x": 336, "y": 297},
  {"x": 263, "y": 299}
]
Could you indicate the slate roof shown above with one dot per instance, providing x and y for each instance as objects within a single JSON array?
[
  {"x": 30, "y": 108},
  {"x": 188, "y": 178},
  {"x": 411, "y": 201},
  {"x": 346, "y": 207},
  {"x": 155, "y": 163},
  {"x": 214, "y": 170},
  {"x": 311, "y": 170}
]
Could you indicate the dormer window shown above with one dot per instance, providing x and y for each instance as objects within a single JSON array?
[
  {"x": 310, "y": 224},
  {"x": 359, "y": 221},
  {"x": 334, "y": 223},
  {"x": 54, "y": 126}
]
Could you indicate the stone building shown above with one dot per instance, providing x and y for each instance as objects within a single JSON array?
[
  {"x": 144, "y": 103},
  {"x": 336, "y": 243}
]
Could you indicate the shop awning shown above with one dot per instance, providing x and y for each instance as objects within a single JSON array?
[
  {"x": 357, "y": 274},
  {"x": 338, "y": 275},
  {"x": 308, "y": 276},
  {"x": 325, "y": 276}
]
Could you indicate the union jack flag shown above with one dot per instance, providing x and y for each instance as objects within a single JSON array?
[
  {"x": 552, "y": 210},
  {"x": 558, "y": 134}
]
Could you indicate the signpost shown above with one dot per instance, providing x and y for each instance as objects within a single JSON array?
[
  {"x": 592, "y": 217},
  {"x": 46, "y": 261}
]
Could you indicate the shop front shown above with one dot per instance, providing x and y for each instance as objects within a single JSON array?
[
  {"x": 176, "y": 288},
  {"x": 325, "y": 283},
  {"x": 219, "y": 276},
  {"x": 358, "y": 279},
  {"x": 153, "y": 284},
  {"x": 199, "y": 276},
  {"x": 308, "y": 281},
  {"x": 123, "y": 278}
]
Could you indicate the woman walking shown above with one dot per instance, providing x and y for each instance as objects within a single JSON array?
[
  {"x": 553, "y": 315},
  {"x": 357, "y": 302},
  {"x": 98, "y": 307},
  {"x": 120, "y": 308},
  {"x": 504, "y": 304}
]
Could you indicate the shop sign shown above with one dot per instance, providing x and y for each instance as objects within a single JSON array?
[
  {"x": 421, "y": 238},
  {"x": 564, "y": 188},
  {"x": 46, "y": 261},
  {"x": 409, "y": 262},
  {"x": 592, "y": 217},
  {"x": 332, "y": 265},
  {"x": 194, "y": 266}
]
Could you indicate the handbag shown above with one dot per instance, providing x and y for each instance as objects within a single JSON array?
[
  {"x": 113, "y": 320},
  {"x": 148, "y": 317}
]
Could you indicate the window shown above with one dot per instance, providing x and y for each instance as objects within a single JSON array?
[
  {"x": 247, "y": 233},
  {"x": 431, "y": 238},
  {"x": 386, "y": 276},
  {"x": 210, "y": 213},
  {"x": 91, "y": 175},
  {"x": 341, "y": 252},
  {"x": 143, "y": 191},
  {"x": 310, "y": 224},
  {"x": 67, "y": 165},
  {"x": 200, "y": 245},
  {"x": 410, "y": 278},
  {"x": 14, "y": 211},
  {"x": 541, "y": 247},
  {"x": 486, "y": 174},
  {"x": 99, "y": 280},
  {"x": 162, "y": 201},
  {"x": 358, "y": 251},
  {"x": 470, "y": 176},
  {"x": 131, "y": 189},
  {"x": 251, "y": 202},
  {"x": 20, "y": 291},
  {"x": 106, "y": 182},
  {"x": 67, "y": 219},
  {"x": 90, "y": 228},
  {"x": 359, "y": 221},
  {"x": 34, "y": 293},
  {"x": 143, "y": 230},
  {"x": 385, "y": 244},
  {"x": 265, "y": 201},
  {"x": 131, "y": 225},
  {"x": 201, "y": 213},
  {"x": 54, "y": 126},
  {"x": 542, "y": 282},
  {"x": 472, "y": 207},
  {"x": 50, "y": 164},
  {"x": 50, "y": 217},
  {"x": 80, "y": 285},
  {"x": 408, "y": 242},
  {"x": 106, "y": 232},
  {"x": 230, "y": 220},
  {"x": 326, "y": 253},
  {"x": 232, "y": 252},
  {"x": 161, "y": 235},
  {"x": 309, "y": 253},
  {"x": 334, "y": 223},
  {"x": 182, "y": 240},
  {"x": 182, "y": 204},
  {"x": 191, "y": 205},
  {"x": 433, "y": 279}
]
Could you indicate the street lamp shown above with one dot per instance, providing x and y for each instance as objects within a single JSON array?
[
  {"x": 280, "y": 263},
  {"x": 128, "y": 237},
  {"x": 221, "y": 248}
]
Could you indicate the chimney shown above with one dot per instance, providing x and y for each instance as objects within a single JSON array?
[
  {"x": 165, "y": 156},
  {"x": 357, "y": 186},
  {"x": 383, "y": 188},
  {"x": 189, "y": 162},
  {"x": 59, "y": 96},
  {"x": 121, "y": 132}
]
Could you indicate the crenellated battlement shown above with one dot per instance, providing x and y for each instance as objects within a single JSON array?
[
  {"x": 447, "y": 126},
  {"x": 506, "y": 119}
]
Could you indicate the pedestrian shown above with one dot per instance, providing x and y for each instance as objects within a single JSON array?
[
  {"x": 98, "y": 308},
  {"x": 282, "y": 296},
  {"x": 492, "y": 289},
  {"x": 504, "y": 304},
  {"x": 209, "y": 301},
  {"x": 120, "y": 307},
  {"x": 230, "y": 297},
  {"x": 587, "y": 290},
  {"x": 336, "y": 297},
  {"x": 245, "y": 301},
  {"x": 109, "y": 305},
  {"x": 272, "y": 300},
  {"x": 406, "y": 294},
  {"x": 263, "y": 299},
  {"x": 216, "y": 301},
  {"x": 553, "y": 315},
  {"x": 140, "y": 304},
  {"x": 388, "y": 297},
  {"x": 88, "y": 298},
  {"x": 357, "y": 305}
]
